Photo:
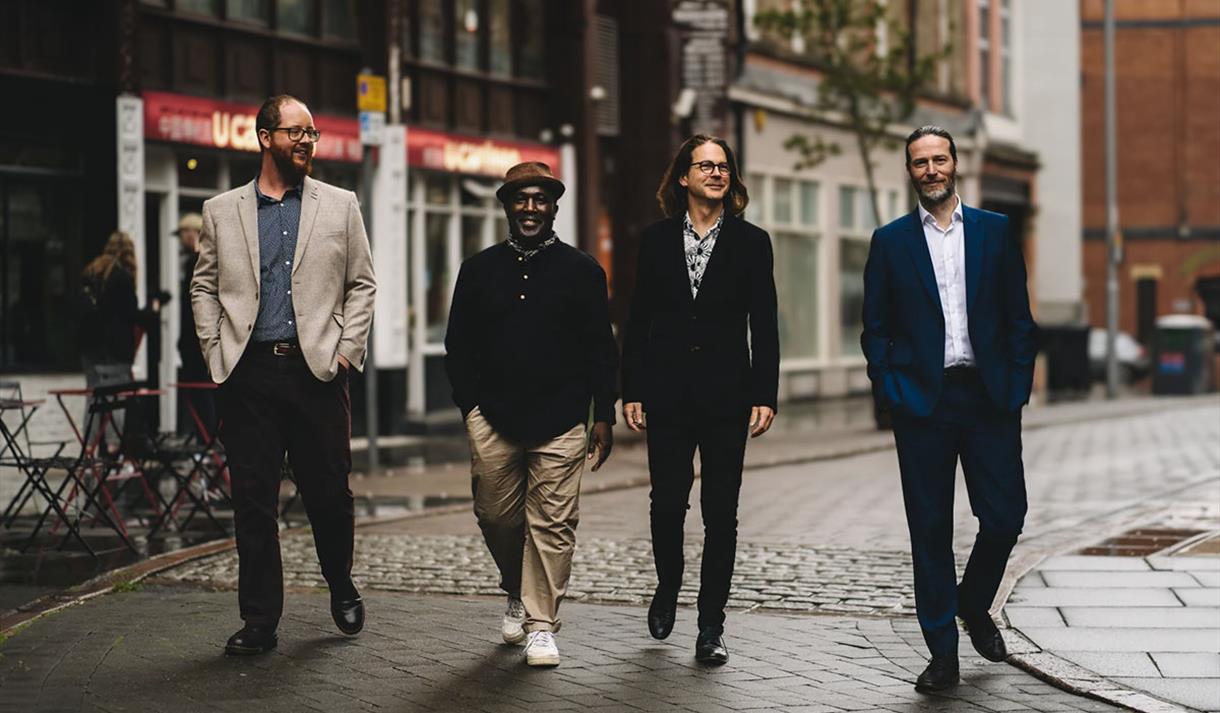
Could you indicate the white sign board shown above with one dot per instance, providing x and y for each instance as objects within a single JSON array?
[
  {"x": 390, "y": 249},
  {"x": 372, "y": 126}
]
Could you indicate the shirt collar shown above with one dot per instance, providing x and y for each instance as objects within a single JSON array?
[
  {"x": 264, "y": 199},
  {"x": 925, "y": 216},
  {"x": 688, "y": 226}
]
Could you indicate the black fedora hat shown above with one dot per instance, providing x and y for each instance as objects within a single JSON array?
[{"x": 530, "y": 173}]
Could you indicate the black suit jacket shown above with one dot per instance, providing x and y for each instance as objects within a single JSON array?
[{"x": 713, "y": 357}]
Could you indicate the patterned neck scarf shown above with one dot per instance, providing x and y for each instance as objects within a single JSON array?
[{"x": 527, "y": 253}]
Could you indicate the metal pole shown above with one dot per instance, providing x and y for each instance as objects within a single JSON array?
[
  {"x": 370, "y": 364},
  {"x": 1113, "y": 255}
]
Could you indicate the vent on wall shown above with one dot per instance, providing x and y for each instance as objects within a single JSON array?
[{"x": 605, "y": 75}]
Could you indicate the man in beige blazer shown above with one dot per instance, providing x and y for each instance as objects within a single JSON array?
[{"x": 283, "y": 300}]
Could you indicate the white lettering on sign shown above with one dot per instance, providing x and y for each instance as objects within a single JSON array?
[
  {"x": 486, "y": 158},
  {"x": 234, "y": 131}
]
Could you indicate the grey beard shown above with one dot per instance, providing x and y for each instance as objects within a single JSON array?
[{"x": 937, "y": 197}]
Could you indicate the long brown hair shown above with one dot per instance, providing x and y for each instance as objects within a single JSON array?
[
  {"x": 119, "y": 250},
  {"x": 671, "y": 195}
]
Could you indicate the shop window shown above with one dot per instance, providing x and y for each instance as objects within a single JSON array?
[
  {"x": 436, "y": 275},
  {"x": 472, "y": 234},
  {"x": 199, "y": 170},
  {"x": 531, "y": 39},
  {"x": 211, "y": 8},
  {"x": 756, "y": 210},
  {"x": 41, "y": 256},
  {"x": 296, "y": 16},
  {"x": 781, "y": 204},
  {"x": 853, "y": 253},
  {"x": 432, "y": 31},
  {"x": 500, "y": 40},
  {"x": 788, "y": 209},
  {"x": 796, "y": 268},
  {"x": 338, "y": 20},
  {"x": 466, "y": 34},
  {"x": 808, "y": 198},
  {"x": 251, "y": 11}
]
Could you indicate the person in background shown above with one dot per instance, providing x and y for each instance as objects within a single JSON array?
[{"x": 193, "y": 369}]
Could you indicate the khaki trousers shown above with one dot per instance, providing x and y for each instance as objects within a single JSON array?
[{"x": 526, "y": 502}]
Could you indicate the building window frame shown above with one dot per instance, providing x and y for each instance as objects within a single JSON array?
[{"x": 798, "y": 224}]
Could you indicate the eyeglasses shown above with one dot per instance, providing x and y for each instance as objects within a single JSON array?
[
  {"x": 296, "y": 133},
  {"x": 706, "y": 167}
]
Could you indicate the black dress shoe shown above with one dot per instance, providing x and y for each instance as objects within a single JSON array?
[
  {"x": 348, "y": 614},
  {"x": 661, "y": 614},
  {"x": 251, "y": 640},
  {"x": 710, "y": 648},
  {"x": 986, "y": 637},
  {"x": 941, "y": 673}
]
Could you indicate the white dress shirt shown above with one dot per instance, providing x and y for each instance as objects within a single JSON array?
[{"x": 948, "y": 251}]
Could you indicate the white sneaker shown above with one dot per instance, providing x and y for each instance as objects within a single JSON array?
[
  {"x": 514, "y": 618},
  {"x": 541, "y": 650}
]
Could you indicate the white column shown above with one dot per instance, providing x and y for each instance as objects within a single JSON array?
[
  {"x": 569, "y": 207},
  {"x": 390, "y": 250},
  {"x": 130, "y": 143}
]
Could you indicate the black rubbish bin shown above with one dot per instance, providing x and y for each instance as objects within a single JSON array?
[
  {"x": 1183, "y": 354},
  {"x": 1066, "y": 347}
]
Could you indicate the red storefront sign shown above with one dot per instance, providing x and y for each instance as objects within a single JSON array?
[
  {"x": 473, "y": 155},
  {"x": 225, "y": 125},
  {"x": 197, "y": 121}
]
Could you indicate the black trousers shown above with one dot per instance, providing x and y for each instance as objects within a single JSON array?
[
  {"x": 671, "y": 452},
  {"x": 271, "y": 405},
  {"x": 965, "y": 424}
]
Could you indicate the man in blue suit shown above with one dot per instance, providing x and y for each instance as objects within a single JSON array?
[{"x": 950, "y": 344}]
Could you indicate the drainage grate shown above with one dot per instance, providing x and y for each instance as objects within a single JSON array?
[{"x": 1140, "y": 542}]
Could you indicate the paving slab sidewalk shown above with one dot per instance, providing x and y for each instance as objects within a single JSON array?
[
  {"x": 1150, "y": 625},
  {"x": 160, "y": 649}
]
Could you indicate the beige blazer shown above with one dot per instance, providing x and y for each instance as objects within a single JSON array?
[{"x": 332, "y": 279}]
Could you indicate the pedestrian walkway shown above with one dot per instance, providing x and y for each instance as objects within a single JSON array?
[
  {"x": 1149, "y": 624},
  {"x": 161, "y": 650}
]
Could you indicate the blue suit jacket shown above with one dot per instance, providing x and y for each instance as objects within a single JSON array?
[{"x": 904, "y": 326}]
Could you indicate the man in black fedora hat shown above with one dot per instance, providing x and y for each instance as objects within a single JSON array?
[{"x": 529, "y": 353}]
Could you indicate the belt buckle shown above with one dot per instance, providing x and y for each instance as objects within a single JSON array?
[{"x": 281, "y": 349}]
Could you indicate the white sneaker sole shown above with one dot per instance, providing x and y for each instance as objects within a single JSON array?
[
  {"x": 542, "y": 661},
  {"x": 513, "y": 637}
]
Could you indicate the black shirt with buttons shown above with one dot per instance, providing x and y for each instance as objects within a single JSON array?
[
  {"x": 278, "y": 222},
  {"x": 529, "y": 341}
]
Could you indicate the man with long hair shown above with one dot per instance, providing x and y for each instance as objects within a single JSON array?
[
  {"x": 700, "y": 370},
  {"x": 950, "y": 344},
  {"x": 283, "y": 301}
]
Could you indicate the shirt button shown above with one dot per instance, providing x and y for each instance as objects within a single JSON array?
[
  {"x": 287, "y": 263},
  {"x": 290, "y": 321},
  {"x": 285, "y": 232},
  {"x": 521, "y": 296},
  {"x": 525, "y": 277},
  {"x": 520, "y": 259},
  {"x": 290, "y": 292}
]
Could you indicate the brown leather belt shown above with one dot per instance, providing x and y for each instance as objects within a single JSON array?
[{"x": 280, "y": 349}]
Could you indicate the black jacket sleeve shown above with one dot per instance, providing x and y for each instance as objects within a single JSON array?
[
  {"x": 603, "y": 352},
  {"x": 638, "y": 327},
  {"x": 764, "y": 325},
  {"x": 461, "y": 347}
]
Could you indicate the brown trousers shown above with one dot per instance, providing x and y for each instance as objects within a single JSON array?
[{"x": 526, "y": 502}]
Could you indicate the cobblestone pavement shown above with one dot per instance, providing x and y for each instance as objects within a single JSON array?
[
  {"x": 768, "y": 576},
  {"x": 828, "y": 537},
  {"x": 421, "y": 653}
]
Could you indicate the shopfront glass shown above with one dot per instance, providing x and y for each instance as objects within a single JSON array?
[
  {"x": 42, "y": 252},
  {"x": 789, "y": 208}
]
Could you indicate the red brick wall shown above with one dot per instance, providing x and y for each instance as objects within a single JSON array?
[
  {"x": 1181, "y": 262},
  {"x": 1168, "y": 106}
]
